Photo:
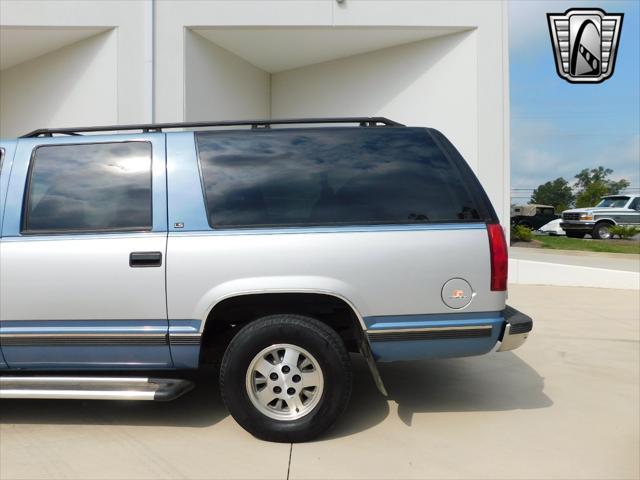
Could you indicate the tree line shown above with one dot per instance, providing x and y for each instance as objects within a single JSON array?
[{"x": 589, "y": 186}]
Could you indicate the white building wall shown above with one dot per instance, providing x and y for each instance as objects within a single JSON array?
[
  {"x": 83, "y": 86},
  {"x": 55, "y": 89},
  {"x": 152, "y": 66},
  {"x": 489, "y": 18},
  {"x": 458, "y": 84},
  {"x": 425, "y": 83},
  {"x": 220, "y": 85}
]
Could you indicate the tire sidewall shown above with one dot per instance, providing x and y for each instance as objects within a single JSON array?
[
  {"x": 596, "y": 230},
  {"x": 241, "y": 352}
]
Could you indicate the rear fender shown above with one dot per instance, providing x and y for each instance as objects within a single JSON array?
[
  {"x": 284, "y": 284},
  {"x": 312, "y": 285}
]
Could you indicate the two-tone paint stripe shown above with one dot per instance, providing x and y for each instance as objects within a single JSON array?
[
  {"x": 30, "y": 340},
  {"x": 440, "y": 326},
  {"x": 26, "y": 333},
  {"x": 185, "y": 339},
  {"x": 97, "y": 339},
  {"x": 187, "y": 332},
  {"x": 430, "y": 333}
]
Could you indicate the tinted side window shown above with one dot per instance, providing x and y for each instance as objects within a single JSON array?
[
  {"x": 330, "y": 176},
  {"x": 89, "y": 187}
]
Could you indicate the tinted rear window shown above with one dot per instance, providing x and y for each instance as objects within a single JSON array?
[
  {"x": 332, "y": 176},
  {"x": 89, "y": 187}
]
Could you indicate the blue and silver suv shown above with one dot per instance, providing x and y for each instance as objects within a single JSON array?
[{"x": 275, "y": 250}]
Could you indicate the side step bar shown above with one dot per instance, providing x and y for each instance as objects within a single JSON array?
[{"x": 93, "y": 388}]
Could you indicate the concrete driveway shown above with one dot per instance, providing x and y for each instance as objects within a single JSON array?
[{"x": 566, "y": 405}]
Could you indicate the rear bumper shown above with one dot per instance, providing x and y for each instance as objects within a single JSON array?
[
  {"x": 516, "y": 330},
  {"x": 419, "y": 337}
]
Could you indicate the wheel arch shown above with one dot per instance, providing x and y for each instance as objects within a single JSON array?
[
  {"x": 606, "y": 220},
  {"x": 595, "y": 233},
  {"x": 210, "y": 313},
  {"x": 233, "y": 311},
  {"x": 217, "y": 330}
]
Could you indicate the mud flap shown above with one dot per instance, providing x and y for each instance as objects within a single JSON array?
[{"x": 365, "y": 349}]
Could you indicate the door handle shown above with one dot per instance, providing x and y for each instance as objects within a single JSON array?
[{"x": 145, "y": 259}]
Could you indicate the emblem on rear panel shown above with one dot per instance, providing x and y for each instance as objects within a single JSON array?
[
  {"x": 457, "y": 293},
  {"x": 585, "y": 43}
]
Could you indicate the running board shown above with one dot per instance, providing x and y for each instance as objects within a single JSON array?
[{"x": 93, "y": 388}]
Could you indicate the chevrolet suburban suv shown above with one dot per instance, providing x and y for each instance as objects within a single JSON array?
[
  {"x": 279, "y": 251},
  {"x": 597, "y": 221}
]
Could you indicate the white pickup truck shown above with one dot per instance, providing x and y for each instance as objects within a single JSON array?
[{"x": 597, "y": 221}]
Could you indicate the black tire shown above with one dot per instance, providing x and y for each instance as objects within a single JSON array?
[
  {"x": 313, "y": 336},
  {"x": 601, "y": 231},
  {"x": 574, "y": 234}
]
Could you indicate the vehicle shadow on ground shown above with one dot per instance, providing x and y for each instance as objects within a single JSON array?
[
  {"x": 201, "y": 407},
  {"x": 489, "y": 383}
]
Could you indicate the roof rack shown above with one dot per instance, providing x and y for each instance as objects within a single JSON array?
[{"x": 255, "y": 124}]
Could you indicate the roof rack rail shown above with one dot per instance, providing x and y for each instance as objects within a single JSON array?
[{"x": 254, "y": 124}]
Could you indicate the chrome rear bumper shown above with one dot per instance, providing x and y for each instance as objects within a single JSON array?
[{"x": 516, "y": 330}]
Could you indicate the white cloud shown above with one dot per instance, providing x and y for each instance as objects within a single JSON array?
[
  {"x": 624, "y": 159},
  {"x": 534, "y": 162}
]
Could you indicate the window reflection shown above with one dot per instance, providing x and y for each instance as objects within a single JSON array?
[
  {"x": 330, "y": 176},
  {"x": 89, "y": 187}
]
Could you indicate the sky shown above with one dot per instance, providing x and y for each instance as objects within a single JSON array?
[{"x": 559, "y": 128}]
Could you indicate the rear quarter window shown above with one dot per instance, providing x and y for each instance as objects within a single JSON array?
[{"x": 333, "y": 176}]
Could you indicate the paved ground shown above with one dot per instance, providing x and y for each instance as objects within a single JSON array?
[
  {"x": 566, "y": 405},
  {"x": 613, "y": 261}
]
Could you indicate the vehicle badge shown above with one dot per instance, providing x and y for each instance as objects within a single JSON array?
[
  {"x": 458, "y": 294},
  {"x": 585, "y": 43}
]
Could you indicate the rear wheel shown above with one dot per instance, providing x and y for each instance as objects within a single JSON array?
[
  {"x": 286, "y": 378},
  {"x": 575, "y": 234},
  {"x": 602, "y": 231}
]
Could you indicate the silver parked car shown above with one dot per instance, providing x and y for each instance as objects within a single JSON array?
[
  {"x": 597, "y": 221},
  {"x": 276, "y": 251}
]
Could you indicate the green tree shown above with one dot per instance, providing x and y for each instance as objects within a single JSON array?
[
  {"x": 594, "y": 183},
  {"x": 555, "y": 192}
]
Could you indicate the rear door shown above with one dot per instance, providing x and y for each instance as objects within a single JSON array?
[{"x": 83, "y": 254}]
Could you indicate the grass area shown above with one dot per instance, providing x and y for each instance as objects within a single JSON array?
[{"x": 607, "y": 246}]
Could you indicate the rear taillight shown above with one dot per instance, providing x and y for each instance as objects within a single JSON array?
[{"x": 499, "y": 257}]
